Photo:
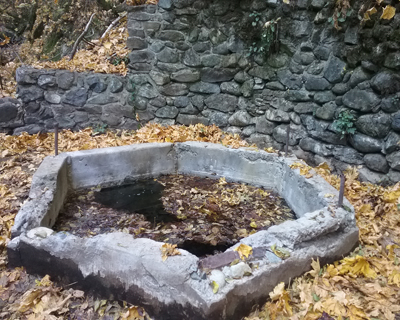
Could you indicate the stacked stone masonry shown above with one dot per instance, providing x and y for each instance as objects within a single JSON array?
[{"x": 190, "y": 64}]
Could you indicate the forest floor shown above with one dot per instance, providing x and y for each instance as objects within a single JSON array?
[{"x": 364, "y": 285}]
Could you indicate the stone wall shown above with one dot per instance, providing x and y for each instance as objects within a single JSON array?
[{"x": 190, "y": 64}]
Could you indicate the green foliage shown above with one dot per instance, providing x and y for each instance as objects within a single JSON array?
[
  {"x": 118, "y": 60},
  {"x": 267, "y": 34},
  {"x": 100, "y": 128},
  {"x": 133, "y": 90},
  {"x": 345, "y": 122}
]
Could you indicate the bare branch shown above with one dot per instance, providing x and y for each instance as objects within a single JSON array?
[
  {"x": 112, "y": 25},
  {"x": 75, "y": 47}
]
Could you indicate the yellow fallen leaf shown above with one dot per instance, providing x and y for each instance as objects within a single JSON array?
[
  {"x": 167, "y": 250},
  {"x": 368, "y": 13},
  {"x": 253, "y": 224},
  {"x": 388, "y": 12},
  {"x": 214, "y": 286},
  {"x": 357, "y": 266},
  {"x": 394, "y": 277},
  {"x": 244, "y": 251},
  {"x": 280, "y": 252},
  {"x": 277, "y": 292}
]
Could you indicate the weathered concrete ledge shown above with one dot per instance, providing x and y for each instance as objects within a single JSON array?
[{"x": 123, "y": 267}]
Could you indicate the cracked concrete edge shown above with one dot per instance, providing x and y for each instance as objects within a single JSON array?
[
  {"x": 48, "y": 191},
  {"x": 120, "y": 264}
]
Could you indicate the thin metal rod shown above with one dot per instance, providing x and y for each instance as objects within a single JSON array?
[
  {"x": 287, "y": 140},
  {"x": 341, "y": 191},
  {"x": 56, "y": 139}
]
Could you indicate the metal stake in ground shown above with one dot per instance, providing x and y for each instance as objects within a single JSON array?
[
  {"x": 341, "y": 191},
  {"x": 56, "y": 139},
  {"x": 287, "y": 140}
]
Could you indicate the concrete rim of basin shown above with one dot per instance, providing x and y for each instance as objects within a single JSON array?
[{"x": 118, "y": 265}]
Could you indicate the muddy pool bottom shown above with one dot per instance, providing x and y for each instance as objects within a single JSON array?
[{"x": 201, "y": 215}]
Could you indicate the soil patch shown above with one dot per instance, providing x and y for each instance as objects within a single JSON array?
[{"x": 201, "y": 215}]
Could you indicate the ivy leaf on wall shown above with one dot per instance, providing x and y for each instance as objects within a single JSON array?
[{"x": 388, "y": 12}]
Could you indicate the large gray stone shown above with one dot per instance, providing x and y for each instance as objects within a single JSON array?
[
  {"x": 361, "y": 100},
  {"x": 309, "y": 144},
  {"x": 392, "y": 61},
  {"x": 167, "y": 112},
  {"x": 390, "y": 104},
  {"x": 65, "y": 79},
  {"x": 99, "y": 99},
  {"x": 394, "y": 176},
  {"x": 186, "y": 75},
  {"x": 211, "y": 60},
  {"x": 295, "y": 134},
  {"x": 204, "y": 87},
  {"x": 159, "y": 78},
  {"x": 171, "y": 35},
  {"x": 365, "y": 144},
  {"x": 30, "y": 129},
  {"x": 386, "y": 82},
  {"x": 358, "y": 75},
  {"x": 170, "y": 67},
  {"x": 394, "y": 160},
  {"x": 281, "y": 104},
  {"x": 147, "y": 91},
  {"x": 348, "y": 155},
  {"x": 261, "y": 72},
  {"x": 277, "y": 115},
  {"x": 327, "y": 111},
  {"x": 374, "y": 125},
  {"x": 46, "y": 81},
  {"x": 175, "y": 89},
  {"x": 240, "y": 119},
  {"x": 217, "y": 75},
  {"x": 316, "y": 83},
  {"x": 264, "y": 126},
  {"x": 115, "y": 85},
  {"x": 324, "y": 97},
  {"x": 222, "y": 102},
  {"x": 8, "y": 112},
  {"x": 392, "y": 142},
  {"x": 306, "y": 107},
  {"x": 76, "y": 97},
  {"x": 340, "y": 88},
  {"x": 335, "y": 69},
  {"x": 376, "y": 162},
  {"x": 231, "y": 87},
  {"x": 247, "y": 88},
  {"x": 168, "y": 55},
  {"x": 298, "y": 95},
  {"x": 96, "y": 84},
  {"x": 327, "y": 136},
  {"x": 396, "y": 121},
  {"x": 136, "y": 43},
  {"x": 30, "y": 94},
  {"x": 25, "y": 75},
  {"x": 289, "y": 80},
  {"x": 187, "y": 119},
  {"x": 260, "y": 140},
  {"x": 220, "y": 119},
  {"x": 52, "y": 97},
  {"x": 191, "y": 58},
  {"x": 141, "y": 56}
]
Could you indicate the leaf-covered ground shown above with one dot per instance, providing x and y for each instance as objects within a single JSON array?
[{"x": 364, "y": 285}]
